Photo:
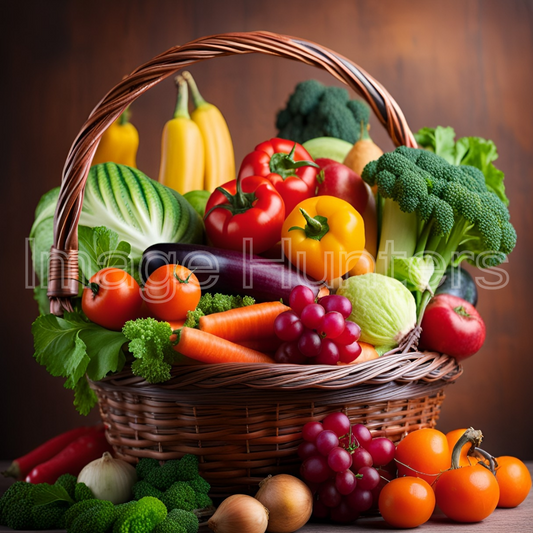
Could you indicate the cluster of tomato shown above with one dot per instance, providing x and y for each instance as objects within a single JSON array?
[
  {"x": 113, "y": 296},
  {"x": 437, "y": 469}
]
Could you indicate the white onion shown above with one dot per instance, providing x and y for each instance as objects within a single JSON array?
[{"x": 109, "y": 478}]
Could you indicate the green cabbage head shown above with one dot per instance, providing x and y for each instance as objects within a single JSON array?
[{"x": 383, "y": 308}]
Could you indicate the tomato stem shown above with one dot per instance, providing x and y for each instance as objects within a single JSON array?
[
  {"x": 186, "y": 280},
  {"x": 474, "y": 436}
]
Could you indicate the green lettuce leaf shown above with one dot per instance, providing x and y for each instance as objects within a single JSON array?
[{"x": 74, "y": 348}]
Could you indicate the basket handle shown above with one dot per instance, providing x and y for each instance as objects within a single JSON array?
[{"x": 63, "y": 266}]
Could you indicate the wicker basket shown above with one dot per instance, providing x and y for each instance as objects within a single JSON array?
[{"x": 242, "y": 421}]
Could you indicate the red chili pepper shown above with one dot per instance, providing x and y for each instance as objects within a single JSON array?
[
  {"x": 71, "y": 459},
  {"x": 287, "y": 165},
  {"x": 248, "y": 208},
  {"x": 20, "y": 467}
]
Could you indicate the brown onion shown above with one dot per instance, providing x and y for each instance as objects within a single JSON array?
[
  {"x": 239, "y": 514},
  {"x": 289, "y": 502}
]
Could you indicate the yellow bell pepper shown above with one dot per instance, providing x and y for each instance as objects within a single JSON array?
[
  {"x": 119, "y": 143},
  {"x": 324, "y": 237}
]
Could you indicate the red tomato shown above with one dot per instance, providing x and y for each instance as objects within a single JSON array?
[
  {"x": 452, "y": 326},
  {"x": 112, "y": 298},
  {"x": 424, "y": 453},
  {"x": 514, "y": 480},
  {"x": 406, "y": 502},
  {"x": 170, "y": 291},
  {"x": 468, "y": 493},
  {"x": 342, "y": 182},
  {"x": 281, "y": 162},
  {"x": 249, "y": 208}
]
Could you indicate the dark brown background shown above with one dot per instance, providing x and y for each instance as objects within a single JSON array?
[{"x": 464, "y": 63}]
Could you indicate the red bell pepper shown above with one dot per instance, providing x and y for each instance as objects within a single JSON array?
[
  {"x": 287, "y": 165},
  {"x": 247, "y": 208}
]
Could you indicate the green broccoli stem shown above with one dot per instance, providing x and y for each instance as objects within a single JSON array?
[{"x": 398, "y": 236}]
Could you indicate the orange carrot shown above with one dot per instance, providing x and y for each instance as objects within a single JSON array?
[
  {"x": 250, "y": 322},
  {"x": 209, "y": 348},
  {"x": 176, "y": 324}
]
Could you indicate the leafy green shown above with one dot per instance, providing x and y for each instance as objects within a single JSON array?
[
  {"x": 73, "y": 347},
  {"x": 44, "y": 493},
  {"x": 100, "y": 248},
  {"x": 473, "y": 151},
  {"x": 215, "y": 303},
  {"x": 150, "y": 345}
]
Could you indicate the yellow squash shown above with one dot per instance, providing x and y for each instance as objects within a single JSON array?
[
  {"x": 119, "y": 143},
  {"x": 182, "y": 148},
  {"x": 219, "y": 155}
]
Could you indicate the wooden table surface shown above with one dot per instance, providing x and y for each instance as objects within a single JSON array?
[{"x": 518, "y": 520}]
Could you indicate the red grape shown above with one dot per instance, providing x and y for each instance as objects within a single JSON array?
[
  {"x": 300, "y": 297},
  {"x": 370, "y": 479},
  {"x": 360, "y": 458},
  {"x": 359, "y": 500},
  {"x": 329, "y": 353},
  {"x": 336, "y": 302},
  {"x": 315, "y": 469},
  {"x": 345, "y": 482},
  {"x": 382, "y": 450},
  {"x": 338, "y": 422},
  {"x": 326, "y": 441},
  {"x": 310, "y": 343},
  {"x": 288, "y": 353},
  {"x": 319, "y": 509},
  {"x": 350, "y": 352},
  {"x": 287, "y": 326},
  {"x": 339, "y": 459},
  {"x": 362, "y": 434},
  {"x": 311, "y": 315},
  {"x": 351, "y": 333},
  {"x": 328, "y": 494},
  {"x": 311, "y": 430},
  {"x": 343, "y": 513},
  {"x": 331, "y": 325},
  {"x": 307, "y": 449}
]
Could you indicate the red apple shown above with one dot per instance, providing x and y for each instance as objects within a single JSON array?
[
  {"x": 340, "y": 181},
  {"x": 452, "y": 326}
]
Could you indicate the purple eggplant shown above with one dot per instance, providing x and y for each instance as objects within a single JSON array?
[{"x": 230, "y": 272}]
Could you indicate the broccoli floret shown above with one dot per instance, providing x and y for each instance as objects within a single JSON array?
[
  {"x": 203, "y": 500},
  {"x": 199, "y": 484},
  {"x": 187, "y": 468},
  {"x": 68, "y": 482},
  {"x": 141, "y": 517},
  {"x": 162, "y": 478},
  {"x": 215, "y": 303},
  {"x": 145, "y": 466},
  {"x": 432, "y": 208},
  {"x": 97, "y": 519},
  {"x": 143, "y": 488},
  {"x": 179, "y": 496},
  {"x": 79, "y": 508},
  {"x": 50, "y": 515},
  {"x": 314, "y": 110},
  {"x": 150, "y": 345},
  {"x": 16, "y": 505},
  {"x": 178, "y": 521},
  {"x": 82, "y": 492}
]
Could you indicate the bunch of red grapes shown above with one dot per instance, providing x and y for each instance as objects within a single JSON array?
[
  {"x": 340, "y": 465},
  {"x": 316, "y": 332}
]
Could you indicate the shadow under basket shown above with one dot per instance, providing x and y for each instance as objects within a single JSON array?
[{"x": 244, "y": 422}]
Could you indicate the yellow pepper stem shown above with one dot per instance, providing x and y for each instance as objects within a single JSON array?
[
  {"x": 196, "y": 96},
  {"x": 315, "y": 228},
  {"x": 182, "y": 101}
]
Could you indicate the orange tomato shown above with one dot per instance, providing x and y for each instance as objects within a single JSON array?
[
  {"x": 514, "y": 480},
  {"x": 406, "y": 502},
  {"x": 365, "y": 264},
  {"x": 468, "y": 493},
  {"x": 452, "y": 437},
  {"x": 424, "y": 453}
]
